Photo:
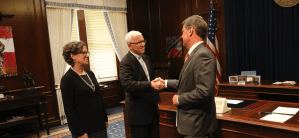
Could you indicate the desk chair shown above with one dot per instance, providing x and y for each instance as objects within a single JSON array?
[{"x": 163, "y": 70}]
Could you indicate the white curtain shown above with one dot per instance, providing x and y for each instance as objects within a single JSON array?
[
  {"x": 60, "y": 30},
  {"x": 117, "y": 27}
]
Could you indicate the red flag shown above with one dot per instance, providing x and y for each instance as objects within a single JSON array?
[{"x": 212, "y": 43}]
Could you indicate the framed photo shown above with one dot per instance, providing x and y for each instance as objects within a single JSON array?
[
  {"x": 174, "y": 47},
  {"x": 233, "y": 78},
  {"x": 241, "y": 78},
  {"x": 248, "y": 73},
  {"x": 250, "y": 78},
  {"x": 257, "y": 78}
]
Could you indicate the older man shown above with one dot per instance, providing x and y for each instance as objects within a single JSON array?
[
  {"x": 136, "y": 75},
  {"x": 196, "y": 117}
]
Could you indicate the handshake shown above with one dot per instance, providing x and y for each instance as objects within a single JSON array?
[{"x": 158, "y": 84}]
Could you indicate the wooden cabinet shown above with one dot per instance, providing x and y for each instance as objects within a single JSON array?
[
  {"x": 227, "y": 94},
  {"x": 246, "y": 95},
  {"x": 19, "y": 101},
  {"x": 112, "y": 93},
  {"x": 264, "y": 91}
]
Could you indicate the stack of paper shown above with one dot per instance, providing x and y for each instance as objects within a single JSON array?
[
  {"x": 281, "y": 114},
  {"x": 288, "y": 83},
  {"x": 277, "y": 82},
  {"x": 231, "y": 101},
  {"x": 285, "y": 83},
  {"x": 286, "y": 110},
  {"x": 277, "y": 118}
]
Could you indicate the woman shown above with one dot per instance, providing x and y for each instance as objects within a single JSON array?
[{"x": 82, "y": 99}]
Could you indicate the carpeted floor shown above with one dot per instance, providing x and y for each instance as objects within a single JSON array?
[{"x": 116, "y": 127}]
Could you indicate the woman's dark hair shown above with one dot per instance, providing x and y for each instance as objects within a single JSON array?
[{"x": 75, "y": 48}]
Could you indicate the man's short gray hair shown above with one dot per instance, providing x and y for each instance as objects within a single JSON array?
[
  {"x": 198, "y": 23},
  {"x": 130, "y": 34}
]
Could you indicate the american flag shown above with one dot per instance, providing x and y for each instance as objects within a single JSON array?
[{"x": 212, "y": 42}]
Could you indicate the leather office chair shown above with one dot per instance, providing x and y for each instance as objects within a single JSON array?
[{"x": 163, "y": 70}]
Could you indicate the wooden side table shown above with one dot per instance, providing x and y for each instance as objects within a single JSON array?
[{"x": 39, "y": 100}]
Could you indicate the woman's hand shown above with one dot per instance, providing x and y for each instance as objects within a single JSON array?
[
  {"x": 106, "y": 125},
  {"x": 84, "y": 136}
]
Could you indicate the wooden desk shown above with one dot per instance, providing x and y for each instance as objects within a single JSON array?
[
  {"x": 243, "y": 122},
  {"x": 264, "y": 91},
  {"x": 246, "y": 123},
  {"x": 26, "y": 100}
]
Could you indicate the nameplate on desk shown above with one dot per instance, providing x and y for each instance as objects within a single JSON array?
[{"x": 221, "y": 105}]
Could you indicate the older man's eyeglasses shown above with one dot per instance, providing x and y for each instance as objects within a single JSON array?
[
  {"x": 85, "y": 53},
  {"x": 140, "y": 42}
]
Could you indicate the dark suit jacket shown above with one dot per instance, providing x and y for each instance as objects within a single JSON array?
[
  {"x": 141, "y": 98},
  {"x": 195, "y": 87}
]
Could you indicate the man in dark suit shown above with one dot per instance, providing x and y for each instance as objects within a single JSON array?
[
  {"x": 136, "y": 75},
  {"x": 196, "y": 116}
]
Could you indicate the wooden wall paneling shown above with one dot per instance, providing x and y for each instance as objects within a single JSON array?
[
  {"x": 139, "y": 19},
  {"x": 52, "y": 97},
  {"x": 200, "y": 6},
  {"x": 130, "y": 16},
  {"x": 82, "y": 31},
  {"x": 203, "y": 6},
  {"x": 222, "y": 48},
  {"x": 44, "y": 54},
  {"x": 32, "y": 49},
  {"x": 169, "y": 17}
]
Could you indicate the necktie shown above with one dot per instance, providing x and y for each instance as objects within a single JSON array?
[
  {"x": 144, "y": 66},
  {"x": 186, "y": 57}
]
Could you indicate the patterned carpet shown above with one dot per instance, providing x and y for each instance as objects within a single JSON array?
[{"x": 116, "y": 127}]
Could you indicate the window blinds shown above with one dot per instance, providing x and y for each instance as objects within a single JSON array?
[{"x": 102, "y": 57}]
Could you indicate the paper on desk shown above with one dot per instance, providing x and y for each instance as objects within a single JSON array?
[
  {"x": 277, "y": 82},
  {"x": 288, "y": 81},
  {"x": 231, "y": 101},
  {"x": 276, "y": 118},
  {"x": 286, "y": 110}
]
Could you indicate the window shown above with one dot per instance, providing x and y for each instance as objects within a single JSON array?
[{"x": 102, "y": 59}]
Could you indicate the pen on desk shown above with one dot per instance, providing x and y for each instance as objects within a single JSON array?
[{"x": 265, "y": 112}]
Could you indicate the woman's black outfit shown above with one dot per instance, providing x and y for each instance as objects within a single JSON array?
[{"x": 84, "y": 108}]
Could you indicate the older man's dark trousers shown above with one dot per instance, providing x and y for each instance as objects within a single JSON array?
[{"x": 146, "y": 131}]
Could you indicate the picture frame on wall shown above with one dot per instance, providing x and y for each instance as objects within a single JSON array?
[
  {"x": 174, "y": 47},
  {"x": 8, "y": 64}
]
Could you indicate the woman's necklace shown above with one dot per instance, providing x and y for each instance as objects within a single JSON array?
[{"x": 92, "y": 85}]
